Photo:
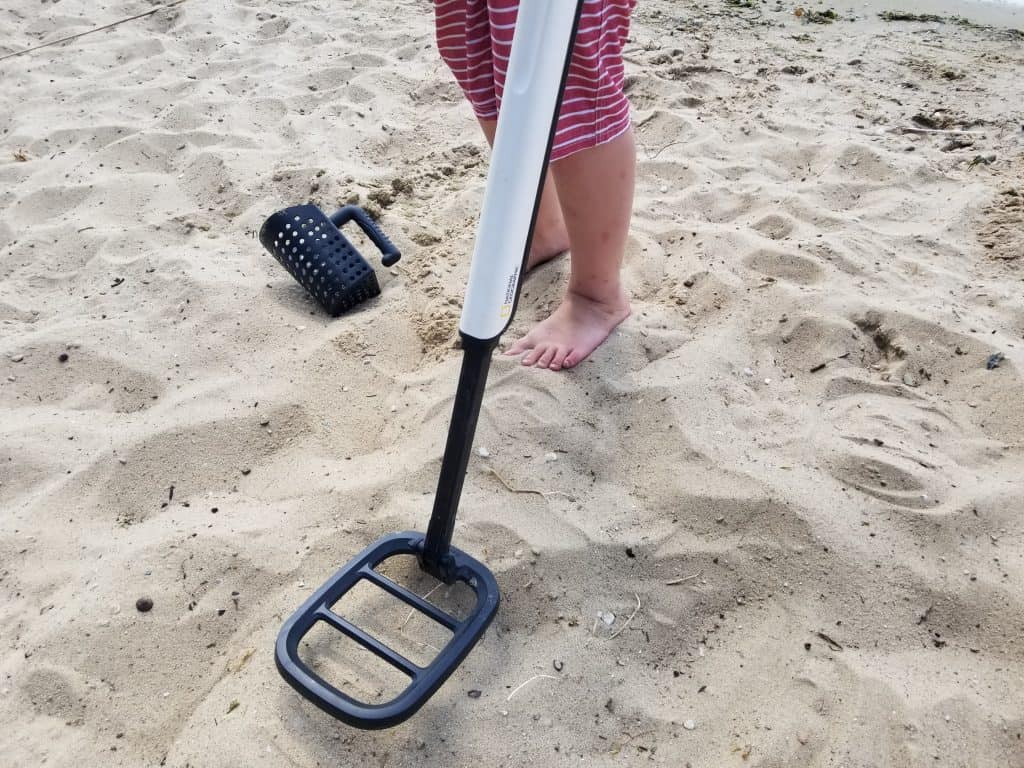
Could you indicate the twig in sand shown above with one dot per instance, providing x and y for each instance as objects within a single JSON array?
[
  {"x": 407, "y": 618},
  {"x": 830, "y": 642},
  {"x": 617, "y": 747},
  {"x": 661, "y": 149},
  {"x": 527, "y": 682},
  {"x": 942, "y": 131},
  {"x": 691, "y": 577},
  {"x": 821, "y": 366},
  {"x": 90, "y": 31},
  {"x": 625, "y": 624},
  {"x": 509, "y": 487}
]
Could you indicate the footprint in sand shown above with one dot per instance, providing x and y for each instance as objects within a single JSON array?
[
  {"x": 785, "y": 266},
  {"x": 273, "y": 28},
  {"x": 52, "y": 694},
  {"x": 884, "y": 481},
  {"x": 1001, "y": 231},
  {"x": 79, "y": 379},
  {"x": 774, "y": 226}
]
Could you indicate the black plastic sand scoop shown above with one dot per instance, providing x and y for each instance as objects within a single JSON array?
[
  {"x": 313, "y": 249},
  {"x": 537, "y": 69}
]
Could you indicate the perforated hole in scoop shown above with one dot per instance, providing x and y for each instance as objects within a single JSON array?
[{"x": 320, "y": 258}]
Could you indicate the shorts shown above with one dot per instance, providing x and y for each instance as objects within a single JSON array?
[{"x": 474, "y": 37}]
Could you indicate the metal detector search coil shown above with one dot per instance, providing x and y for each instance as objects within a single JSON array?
[{"x": 424, "y": 680}]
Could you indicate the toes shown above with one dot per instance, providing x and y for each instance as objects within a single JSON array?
[
  {"x": 544, "y": 361},
  {"x": 571, "y": 359},
  {"x": 520, "y": 346},
  {"x": 558, "y": 361},
  {"x": 531, "y": 357}
]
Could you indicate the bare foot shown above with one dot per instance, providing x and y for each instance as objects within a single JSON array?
[{"x": 573, "y": 331}]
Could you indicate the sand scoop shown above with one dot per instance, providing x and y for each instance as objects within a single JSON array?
[
  {"x": 311, "y": 246},
  {"x": 537, "y": 69}
]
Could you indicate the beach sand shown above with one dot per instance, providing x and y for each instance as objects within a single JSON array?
[{"x": 789, "y": 481}]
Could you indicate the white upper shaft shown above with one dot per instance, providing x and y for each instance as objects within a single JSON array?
[{"x": 540, "y": 47}]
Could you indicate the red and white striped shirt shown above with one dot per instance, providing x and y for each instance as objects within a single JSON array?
[{"x": 474, "y": 38}]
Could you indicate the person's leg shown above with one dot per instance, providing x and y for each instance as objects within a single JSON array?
[
  {"x": 595, "y": 190},
  {"x": 550, "y": 237}
]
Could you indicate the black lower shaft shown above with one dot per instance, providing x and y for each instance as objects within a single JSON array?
[{"x": 476, "y": 362}]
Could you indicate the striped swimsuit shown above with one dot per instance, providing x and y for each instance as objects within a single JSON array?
[{"x": 474, "y": 38}]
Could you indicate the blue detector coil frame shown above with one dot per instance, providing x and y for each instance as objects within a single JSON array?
[{"x": 424, "y": 680}]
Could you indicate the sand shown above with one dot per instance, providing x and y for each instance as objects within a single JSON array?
[{"x": 789, "y": 480}]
